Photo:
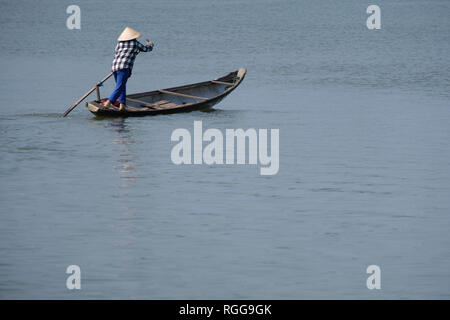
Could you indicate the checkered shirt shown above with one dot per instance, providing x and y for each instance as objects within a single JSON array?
[{"x": 126, "y": 52}]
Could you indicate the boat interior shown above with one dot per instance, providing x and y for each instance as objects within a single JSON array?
[{"x": 178, "y": 96}]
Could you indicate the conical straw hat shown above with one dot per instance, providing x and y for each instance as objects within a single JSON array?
[{"x": 128, "y": 34}]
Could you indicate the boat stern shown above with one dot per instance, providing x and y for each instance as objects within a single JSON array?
[{"x": 92, "y": 107}]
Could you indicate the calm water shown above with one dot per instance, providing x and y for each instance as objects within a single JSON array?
[{"x": 364, "y": 153}]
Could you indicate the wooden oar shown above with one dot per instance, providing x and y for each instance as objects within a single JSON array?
[{"x": 85, "y": 96}]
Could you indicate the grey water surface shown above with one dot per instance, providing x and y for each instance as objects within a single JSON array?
[{"x": 364, "y": 175}]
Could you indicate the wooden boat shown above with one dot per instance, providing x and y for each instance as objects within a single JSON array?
[{"x": 185, "y": 98}]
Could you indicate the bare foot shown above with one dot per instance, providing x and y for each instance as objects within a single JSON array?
[
  {"x": 106, "y": 104},
  {"x": 122, "y": 107}
]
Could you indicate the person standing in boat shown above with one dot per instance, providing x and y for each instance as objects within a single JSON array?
[{"x": 124, "y": 55}]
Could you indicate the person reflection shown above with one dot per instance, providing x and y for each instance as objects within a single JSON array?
[{"x": 127, "y": 159}]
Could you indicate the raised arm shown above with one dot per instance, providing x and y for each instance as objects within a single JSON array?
[{"x": 145, "y": 48}]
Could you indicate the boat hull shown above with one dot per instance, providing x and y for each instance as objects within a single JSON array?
[{"x": 187, "y": 98}]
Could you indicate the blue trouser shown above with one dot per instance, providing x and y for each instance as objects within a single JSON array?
[{"x": 120, "y": 91}]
